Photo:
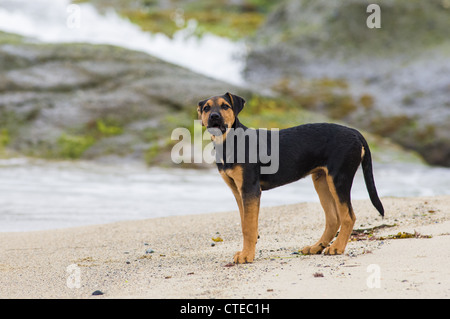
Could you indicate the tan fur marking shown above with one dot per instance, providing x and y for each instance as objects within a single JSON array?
[
  {"x": 235, "y": 177},
  {"x": 231, "y": 98},
  {"x": 249, "y": 231},
  {"x": 318, "y": 169},
  {"x": 347, "y": 220},
  {"x": 331, "y": 216},
  {"x": 234, "y": 189},
  {"x": 204, "y": 118},
  {"x": 336, "y": 215},
  {"x": 228, "y": 114},
  {"x": 237, "y": 174},
  {"x": 363, "y": 151},
  {"x": 249, "y": 211},
  {"x": 199, "y": 113},
  {"x": 228, "y": 117},
  {"x": 220, "y": 101},
  {"x": 263, "y": 184}
]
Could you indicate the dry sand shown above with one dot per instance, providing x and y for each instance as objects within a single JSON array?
[{"x": 112, "y": 258}]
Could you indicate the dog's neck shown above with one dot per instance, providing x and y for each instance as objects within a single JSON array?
[{"x": 220, "y": 142}]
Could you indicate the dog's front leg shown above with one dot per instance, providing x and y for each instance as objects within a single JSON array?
[{"x": 249, "y": 228}]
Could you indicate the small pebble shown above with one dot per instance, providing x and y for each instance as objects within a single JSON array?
[
  {"x": 97, "y": 293},
  {"x": 149, "y": 251}
]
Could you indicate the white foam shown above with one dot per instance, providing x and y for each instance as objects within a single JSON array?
[{"x": 53, "y": 21}]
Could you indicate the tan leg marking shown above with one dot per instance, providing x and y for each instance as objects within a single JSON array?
[
  {"x": 331, "y": 215},
  {"x": 249, "y": 231},
  {"x": 237, "y": 195},
  {"x": 249, "y": 211},
  {"x": 347, "y": 220}
]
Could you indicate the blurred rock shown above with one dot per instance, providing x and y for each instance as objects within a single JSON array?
[
  {"x": 393, "y": 81},
  {"x": 94, "y": 100}
]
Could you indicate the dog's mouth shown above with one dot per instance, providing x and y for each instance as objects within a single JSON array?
[{"x": 216, "y": 128}]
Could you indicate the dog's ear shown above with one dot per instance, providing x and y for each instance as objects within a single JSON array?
[
  {"x": 200, "y": 109},
  {"x": 236, "y": 102}
]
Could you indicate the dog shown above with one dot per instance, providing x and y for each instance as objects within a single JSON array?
[{"x": 331, "y": 153}]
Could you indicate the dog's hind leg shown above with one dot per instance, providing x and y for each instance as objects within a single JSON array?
[
  {"x": 340, "y": 187},
  {"x": 331, "y": 215}
]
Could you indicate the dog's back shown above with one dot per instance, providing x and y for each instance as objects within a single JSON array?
[{"x": 304, "y": 148}]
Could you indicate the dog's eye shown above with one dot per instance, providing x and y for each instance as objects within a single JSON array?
[
  {"x": 206, "y": 108},
  {"x": 225, "y": 106}
]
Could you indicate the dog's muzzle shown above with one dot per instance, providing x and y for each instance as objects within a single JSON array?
[{"x": 216, "y": 126}]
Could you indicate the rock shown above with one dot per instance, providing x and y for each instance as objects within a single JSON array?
[
  {"x": 97, "y": 101},
  {"x": 97, "y": 293},
  {"x": 318, "y": 275},
  {"x": 100, "y": 102},
  {"x": 392, "y": 81}
]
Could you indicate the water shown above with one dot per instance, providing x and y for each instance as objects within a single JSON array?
[
  {"x": 56, "y": 21},
  {"x": 38, "y": 195}
]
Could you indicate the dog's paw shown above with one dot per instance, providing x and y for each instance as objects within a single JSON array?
[
  {"x": 313, "y": 250},
  {"x": 333, "y": 250},
  {"x": 242, "y": 257}
]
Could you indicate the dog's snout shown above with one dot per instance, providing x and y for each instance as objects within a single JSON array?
[{"x": 214, "y": 116}]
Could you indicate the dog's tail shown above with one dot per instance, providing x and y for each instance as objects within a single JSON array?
[{"x": 368, "y": 176}]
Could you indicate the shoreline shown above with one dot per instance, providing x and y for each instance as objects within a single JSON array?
[
  {"x": 66, "y": 194},
  {"x": 173, "y": 257}
]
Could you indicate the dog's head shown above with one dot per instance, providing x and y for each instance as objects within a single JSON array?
[{"x": 219, "y": 113}]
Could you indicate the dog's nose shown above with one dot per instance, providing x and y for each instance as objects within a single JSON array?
[{"x": 214, "y": 116}]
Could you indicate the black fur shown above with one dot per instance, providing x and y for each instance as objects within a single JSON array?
[{"x": 302, "y": 149}]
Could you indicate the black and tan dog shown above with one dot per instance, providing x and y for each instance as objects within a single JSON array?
[{"x": 331, "y": 153}]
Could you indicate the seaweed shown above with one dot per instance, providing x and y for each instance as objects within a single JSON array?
[
  {"x": 402, "y": 235},
  {"x": 368, "y": 234},
  {"x": 217, "y": 239}
]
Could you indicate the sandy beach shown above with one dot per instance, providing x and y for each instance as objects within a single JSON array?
[{"x": 174, "y": 257}]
